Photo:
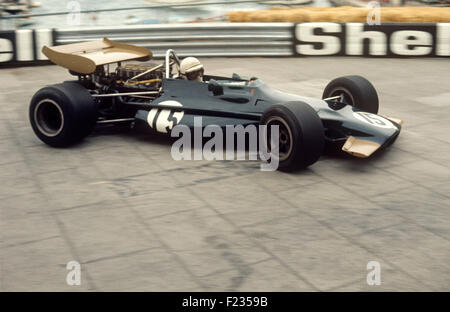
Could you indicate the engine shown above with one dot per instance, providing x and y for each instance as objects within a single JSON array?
[
  {"x": 129, "y": 76},
  {"x": 139, "y": 75},
  {"x": 131, "y": 70}
]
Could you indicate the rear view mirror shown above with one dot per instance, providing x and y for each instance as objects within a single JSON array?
[{"x": 215, "y": 87}]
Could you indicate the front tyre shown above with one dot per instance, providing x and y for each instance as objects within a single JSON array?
[
  {"x": 354, "y": 90},
  {"x": 301, "y": 134},
  {"x": 62, "y": 114}
]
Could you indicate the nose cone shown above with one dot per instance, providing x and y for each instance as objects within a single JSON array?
[{"x": 363, "y": 132}]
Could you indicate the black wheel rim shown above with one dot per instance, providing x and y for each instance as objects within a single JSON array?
[
  {"x": 48, "y": 117},
  {"x": 285, "y": 140},
  {"x": 345, "y": 96}
]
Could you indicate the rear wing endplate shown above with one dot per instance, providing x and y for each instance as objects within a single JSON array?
[{"x": 84, "y": 57}]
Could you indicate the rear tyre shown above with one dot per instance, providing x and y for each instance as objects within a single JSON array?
[
  {"x": 301, "y": 134},
  {"x": 356, "y": 91},
  {"x": 62, "y": 114}
]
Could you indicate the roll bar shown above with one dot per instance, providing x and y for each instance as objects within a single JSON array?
[{"x": 170, "y": 53}]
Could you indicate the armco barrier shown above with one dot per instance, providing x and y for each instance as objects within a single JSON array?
[
  {"x": 211, "y": 39},
  {"x": 245, "y": 39}
]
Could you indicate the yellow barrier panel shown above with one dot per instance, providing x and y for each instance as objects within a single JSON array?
[{"x": 343, "y": 14}]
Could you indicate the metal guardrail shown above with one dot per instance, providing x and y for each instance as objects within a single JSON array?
[
  {"x": 206, "y": 39},
  {"x": 244, "y": 39}
]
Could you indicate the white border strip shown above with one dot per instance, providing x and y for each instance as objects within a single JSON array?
[
  {"x": 43, "y": 37},
  {"x": 24, "y": 45}
]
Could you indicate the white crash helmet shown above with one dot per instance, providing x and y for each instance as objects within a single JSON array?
[{"x": 190, "y": 65}]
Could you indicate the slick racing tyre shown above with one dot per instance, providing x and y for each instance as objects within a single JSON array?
[
  {"x": 62, "y": 114},
  {"x": 355, "y": 91},
  {"x": 301, "y": 134}
]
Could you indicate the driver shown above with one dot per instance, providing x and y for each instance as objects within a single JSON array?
[{"x": 191, "y": 69}]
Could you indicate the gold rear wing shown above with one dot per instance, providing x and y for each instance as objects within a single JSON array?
[{"x": 84, "y": 57}]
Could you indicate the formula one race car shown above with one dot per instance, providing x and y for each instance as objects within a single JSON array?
[{"x": 345, "y": 119}]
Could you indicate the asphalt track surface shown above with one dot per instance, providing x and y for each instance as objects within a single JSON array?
[{"x": 137, "y": 220}]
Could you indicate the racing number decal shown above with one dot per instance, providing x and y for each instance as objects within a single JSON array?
[
  {"x": 163, "y": 120},
  {"x": 374, "y": 120}
]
